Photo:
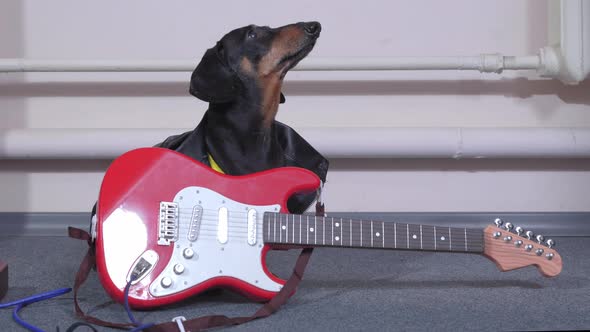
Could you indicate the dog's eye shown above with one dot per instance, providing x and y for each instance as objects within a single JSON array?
[{"x": 251, "y": 34}]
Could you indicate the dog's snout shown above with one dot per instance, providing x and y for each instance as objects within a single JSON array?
[{"x": 312, "y": 28}]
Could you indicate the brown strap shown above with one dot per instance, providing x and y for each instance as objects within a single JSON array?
[{"x": 87, "y": 264}]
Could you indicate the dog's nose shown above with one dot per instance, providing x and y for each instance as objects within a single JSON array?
[{"x": 312, "y": 28}]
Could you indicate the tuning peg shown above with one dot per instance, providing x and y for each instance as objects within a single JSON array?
[
  {"x": 498, "y": 222},
  {"x": 508, "y": 226},
  {"x": 519, "y": 230},
  {"x": 540, "y": 238},
  {"x": 550, "y": 243},
  {"x": 529, "y": 234}
]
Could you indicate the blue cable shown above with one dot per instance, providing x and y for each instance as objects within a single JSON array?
[
  {"x": 36, "y": 298},
  {"x": 43, "y": 296},
  {"x": 126, "y": 303},
  {"x": 130, "y": 314},
  {"x": 28, "y": 300},
  {"x": 22, "y": 322}
]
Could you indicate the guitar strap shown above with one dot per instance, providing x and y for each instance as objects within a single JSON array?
[{"x": 196, "y": 324}]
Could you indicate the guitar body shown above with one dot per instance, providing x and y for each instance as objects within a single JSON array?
[{"x": 175, "y": 228}]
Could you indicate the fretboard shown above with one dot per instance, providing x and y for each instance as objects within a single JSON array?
[{"x": 312, "y": 231}]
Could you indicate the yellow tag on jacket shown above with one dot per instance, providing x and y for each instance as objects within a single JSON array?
[{"x": 214, "y": 164}]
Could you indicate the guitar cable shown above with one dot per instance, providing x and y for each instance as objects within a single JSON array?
[
  {"x": 28, "y": 300},
  {"x": 128, "y": 309},
  {"x": 21, "y": 303}
]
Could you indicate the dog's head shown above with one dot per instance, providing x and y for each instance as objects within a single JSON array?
[{"x": 252, "y": 56}]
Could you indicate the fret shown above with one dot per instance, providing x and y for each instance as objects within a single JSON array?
[
  {"x": 458, "y": 238},
  {"x": 443, "y": 238},
  {"x": 361, "y": 232},
  {"x": 332, "y": 237},
  {"x": 315, "y": 227},
  {"x": 307, "y": 229},
  {"x": 388, "y": 239},
  {"x": 475, "y": 240},
  {"x": 428, "y": 236},
  {"x": 350, "y": 224},
  {"x": 286, "y": 228},
  {"x": 414, "y": 237},
  {"x": 465, "y": 239},
  {"x": 280, "y": 229},
  {"x": 372, "y": 234},
  {"x": 450, "y": 240},
  {"x": 367, "y": 234},
  {"x": 324, "y": 232},
  {"x": 265, "y": 229},
  {"x": 293, "y": 230},
  {"x": 341, "y": 226},
  {"x": 421, "y": 246},
  {"x": 267, "y": 225},
  {"x": 338, "y": 226},
  {"x": 434, "y": 237},
  {"x": 275, "y": 227},
  {"x": 383, "y": 234},
  {"x": 300, "y": 225},
  {"x": 356, "y": 235},
  {"x": 345, "y": 234},
  {"x": 321, "y": 230}
]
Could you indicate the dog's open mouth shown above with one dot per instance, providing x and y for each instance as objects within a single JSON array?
[{"x": 291, "y": 60}]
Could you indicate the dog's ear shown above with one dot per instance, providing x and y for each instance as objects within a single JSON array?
[
  {"x": 213, "y": 81},
  {"x": 282, "y": 100}
]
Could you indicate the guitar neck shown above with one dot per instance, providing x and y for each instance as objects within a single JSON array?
[{"x": 312, "y": 231}]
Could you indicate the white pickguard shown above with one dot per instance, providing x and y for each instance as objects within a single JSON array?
[{"x": 237, "y": 257}]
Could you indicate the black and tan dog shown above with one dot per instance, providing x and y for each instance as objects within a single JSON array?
[{"x": 241, "y": 78}]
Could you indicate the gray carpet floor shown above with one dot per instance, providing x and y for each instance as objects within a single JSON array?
[{"x": 343, "y": 290}]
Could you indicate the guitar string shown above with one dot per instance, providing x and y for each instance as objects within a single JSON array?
[
  {"x": 474, "y": 238},
  {"x": 244, "y": 225},
  {"x": 477, "y": 248},
  {"x": 238, "y": 230},
  {"x": 473, "y": 243},
  {"x": 240, "y": 224},
  {"x": 243, "y": 221}
]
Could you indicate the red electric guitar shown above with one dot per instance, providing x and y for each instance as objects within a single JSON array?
[{"x": 174, "y": 228}]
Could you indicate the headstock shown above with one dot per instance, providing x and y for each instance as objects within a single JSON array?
[{"x": 509, "y": 249}]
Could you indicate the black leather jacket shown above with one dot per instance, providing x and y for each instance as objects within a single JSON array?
[{"x": 297, "y": 152}]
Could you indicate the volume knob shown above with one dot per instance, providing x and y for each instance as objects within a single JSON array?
[
  {"x": 188, "y": 253},
  {"x": 166, "y": 282},
  {"x": 178, "y": 268}
]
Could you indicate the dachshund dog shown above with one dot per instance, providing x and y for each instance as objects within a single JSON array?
[{"x": 241, "y": 78}]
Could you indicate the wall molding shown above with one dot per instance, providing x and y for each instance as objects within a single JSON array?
[{"x": 546, "y": 223}]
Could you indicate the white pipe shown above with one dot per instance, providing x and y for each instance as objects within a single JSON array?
[
  {"x": 332, "y": 142},
  {"x": 483, "y": 63}
]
